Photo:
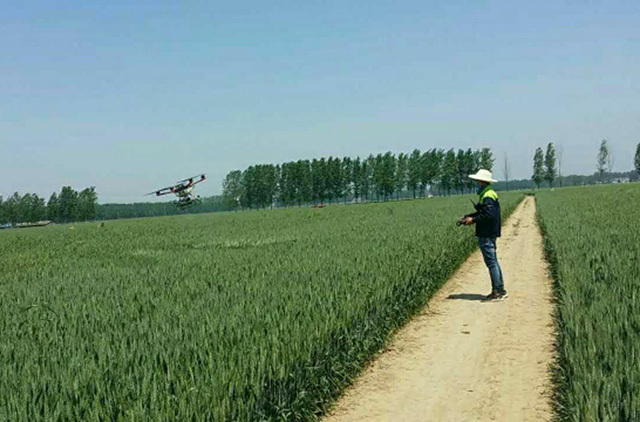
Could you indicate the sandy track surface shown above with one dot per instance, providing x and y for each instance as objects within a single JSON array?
[{"x": 467, "y": 360}]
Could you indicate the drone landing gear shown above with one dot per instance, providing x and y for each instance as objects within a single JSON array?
[{"x": 188, "y": 203}]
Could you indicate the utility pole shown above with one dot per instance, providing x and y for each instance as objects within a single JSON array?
[
  {"x": 559, "y": 151},
  {"x": 506, "y": 169}
]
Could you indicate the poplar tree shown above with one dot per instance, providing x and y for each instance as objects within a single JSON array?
[
  {"x": 538, "y": 167},
  {"x": 424, "y": 175},
  {"x": 550, "y": 164},
  {"x": 470, "y": 168},
  {"x": 603, "y": 156},
  {"x": 461, "y": 174},
  {"x": 68, "y": 204},
  {"x": 53, "y": 209},
  {"x": 388, "y": 163},
  {"x": 286, "y": 185},
  {"x": 378, "y": 176},
  {"x": 365, "y": 181},
  {"x": 318, "y": 180},
  {"x": 413, "y": 175},
  {"x": 38, "y": 208},
  {"x": 303, "y": 182},
  {"x": 11, "y": 208},
  {"x": 449, "y": 171},
  {"x": 329, "y": 179},
  {"x": 87, "y": 204},
  {"x": 346, "y": 185},
  {"x": 356, "y": 178},
  {"x": 431, "y": 164},
  {"x": 402, "y": 163},
  {"x": 337, "y": 178},
  {"x": 247, "y": 197},
  {"x": 486, "y": 159},
  {"x": 367, "y": 176},
  {"x": 25, "y": 209},
  {"x": 270, "y": 178}
]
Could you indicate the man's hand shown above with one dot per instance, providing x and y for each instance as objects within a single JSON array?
[{"x": 467, "y": 221}]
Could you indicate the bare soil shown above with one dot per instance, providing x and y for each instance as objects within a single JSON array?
[{"x": 462, "y": 359}]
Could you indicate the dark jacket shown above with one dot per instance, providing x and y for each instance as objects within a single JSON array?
[{"x": 487, "y": 216}]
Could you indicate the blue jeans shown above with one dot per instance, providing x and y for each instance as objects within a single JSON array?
[{"x": 490, "y": 255}]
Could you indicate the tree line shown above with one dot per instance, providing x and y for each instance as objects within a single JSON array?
[
  {"x": 545, "y": 169},
  {"x": 64, "y": 207},
  {"x": 378, "y": 177},
  {"x": 155, "y": 209}
]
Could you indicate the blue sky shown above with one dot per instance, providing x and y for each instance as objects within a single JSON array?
[{"x": 130, "y": 96}]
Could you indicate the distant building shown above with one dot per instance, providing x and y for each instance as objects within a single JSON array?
[
  {"x": 36, "y": 224},
  {"x": 621, "y": 180}
]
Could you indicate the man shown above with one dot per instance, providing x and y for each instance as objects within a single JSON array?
[{"x": 488, "y": 222}]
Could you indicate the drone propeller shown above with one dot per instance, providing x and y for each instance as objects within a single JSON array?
[
  {"x": 160, "y": 192},
  {"x": 202, "y": 176}
]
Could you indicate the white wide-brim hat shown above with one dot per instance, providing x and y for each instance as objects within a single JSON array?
[{"x": 482, "y": 176}]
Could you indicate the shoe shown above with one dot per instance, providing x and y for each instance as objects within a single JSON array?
[
  {"x": 492, "y": 296},
  {"x": 504, "y": 294}
]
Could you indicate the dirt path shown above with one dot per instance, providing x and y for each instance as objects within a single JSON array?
[{"x": 467, "y": 360}]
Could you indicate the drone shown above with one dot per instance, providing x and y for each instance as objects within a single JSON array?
[{"x": 183, "y": 189}]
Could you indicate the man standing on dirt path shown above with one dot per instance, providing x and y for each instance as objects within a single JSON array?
[{"x": 488, "y": 222}]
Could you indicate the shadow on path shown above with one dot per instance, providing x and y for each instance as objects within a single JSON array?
[{"x": 466, "y": 296}]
